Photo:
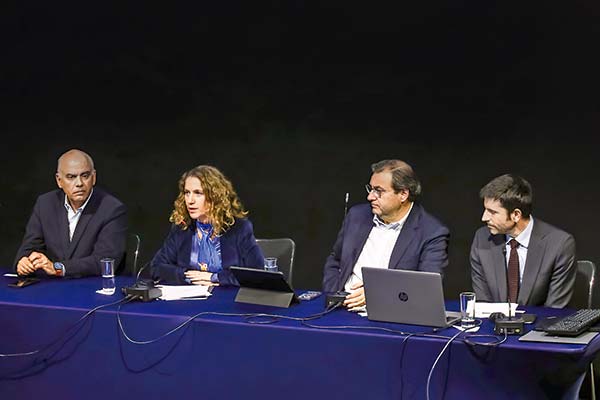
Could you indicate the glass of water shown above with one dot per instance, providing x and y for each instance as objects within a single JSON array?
[
  {"x": 271, "y": 264},
  {"x": 467, "y": 310},
  {"x": 107, "y": 267}
]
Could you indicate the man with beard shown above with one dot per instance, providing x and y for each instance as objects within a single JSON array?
[{"x": 516, "y": 258}]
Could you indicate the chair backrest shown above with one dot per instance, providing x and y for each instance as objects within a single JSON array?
[
  {"x": 283, "y": 249},
  {"x": 132, "y": 254},
  {"x": 583, "y": 295}
]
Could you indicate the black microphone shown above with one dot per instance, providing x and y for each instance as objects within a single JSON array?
[
  {"x": 143, "y": 290},
  {"x": 137, "y": 277},
  {"x": 509, "y": 325},
  {"x": 346, "y": 204}
]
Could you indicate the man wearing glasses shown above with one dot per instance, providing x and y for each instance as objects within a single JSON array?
[{"x": 391, "y": 232}]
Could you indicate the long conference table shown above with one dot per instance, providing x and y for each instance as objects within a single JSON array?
[{"x": 220, "y": 354}]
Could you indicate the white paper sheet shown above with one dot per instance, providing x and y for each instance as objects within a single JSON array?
[
  {"x": 483, "y": 310},
  {"x": 184, "y": 292}
]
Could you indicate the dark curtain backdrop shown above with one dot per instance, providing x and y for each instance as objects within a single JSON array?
[{"x": 294, "y": 100}]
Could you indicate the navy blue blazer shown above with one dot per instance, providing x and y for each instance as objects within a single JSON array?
[
  {"x": 101, "y": 232},
  {"x": 422, "y": 245},
  {"x": 238, "y": 248}
]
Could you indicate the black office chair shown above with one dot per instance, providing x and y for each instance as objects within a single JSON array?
[
  {"x": 132, "y": 254},
  {"x": 583, "y": 297},
  {"x": 283, "y": 249}
]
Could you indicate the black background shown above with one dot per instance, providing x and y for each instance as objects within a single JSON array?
[{"x": 294, "y": 100}]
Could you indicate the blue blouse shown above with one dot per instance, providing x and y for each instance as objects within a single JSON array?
[{"x": 206, "y": 250}]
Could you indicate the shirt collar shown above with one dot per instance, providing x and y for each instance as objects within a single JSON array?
[
  {"x": 80, "y": 209},
  {"x": 396, "y": 226},
  {"x": 523, "y": 237}
]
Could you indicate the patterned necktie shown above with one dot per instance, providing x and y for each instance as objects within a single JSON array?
[{"x": 513, "y": 271}]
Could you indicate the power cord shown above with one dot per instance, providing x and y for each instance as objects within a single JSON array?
[
  {"x": 438, "y": 359},
  {"x": 249, "y": 317},
  {"x": 66, "y": 331}
]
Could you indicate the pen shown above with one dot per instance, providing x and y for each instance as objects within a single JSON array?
[{"x": 194, "y": 298}]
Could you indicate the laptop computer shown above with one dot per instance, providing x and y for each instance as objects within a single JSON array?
[{"x": 406, "y": 297}]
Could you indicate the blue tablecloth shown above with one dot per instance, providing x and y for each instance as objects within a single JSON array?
[{"x": 227, "y": 357}]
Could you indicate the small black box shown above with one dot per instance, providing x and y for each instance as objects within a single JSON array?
[
  {"x": 333, "y": 299},
  {"x": 509, "y": 325}
]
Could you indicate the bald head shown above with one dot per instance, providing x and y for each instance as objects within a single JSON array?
[
  {"x": 76, "y": 176},
  {"x": 75, "y": 155}
]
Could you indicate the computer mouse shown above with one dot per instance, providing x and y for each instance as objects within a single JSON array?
[{"x": 496, "y": 315}]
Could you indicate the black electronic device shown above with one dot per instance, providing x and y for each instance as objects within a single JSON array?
[
  {"x": 574, "y": 324},
  {"x": 268, "y": 288},
  {"x": 496, "y": 315},
  {"x": 143, "y": 290},
  {"x": 509, "y": 326},
  {"x": 24, "y": 281},
  {"x": 333, "y": 299},
  {"x": 545, "y": 322}
]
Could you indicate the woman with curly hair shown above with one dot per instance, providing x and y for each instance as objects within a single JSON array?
[{"x": 210, "y": 233}]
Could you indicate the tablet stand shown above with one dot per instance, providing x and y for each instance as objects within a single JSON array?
[{"x": 265, "y": 297}]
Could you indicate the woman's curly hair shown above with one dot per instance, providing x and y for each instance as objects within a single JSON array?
[{"x": 222, "y": 201}]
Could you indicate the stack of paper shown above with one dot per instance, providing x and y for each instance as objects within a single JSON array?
[
  {"x": 184, "y": 292},
  {"x": 483, "y": 310}
]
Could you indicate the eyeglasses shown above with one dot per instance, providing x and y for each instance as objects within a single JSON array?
[{"x": 378, "y": 192}]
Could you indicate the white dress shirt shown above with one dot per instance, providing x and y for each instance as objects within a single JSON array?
[
  {"x": 377, "y": 251},
  {"x": 74, "y": 215}
]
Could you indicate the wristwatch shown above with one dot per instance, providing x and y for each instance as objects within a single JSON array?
[{"x": 59, "y": 268}]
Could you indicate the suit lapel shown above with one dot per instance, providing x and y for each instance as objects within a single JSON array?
[
  {"x": 185, "y": 246},
  {"x": 62, "y": 224},
  {"x": 406, "y": 237},
  {"x": 358, "y": 233},
  {"x": 533, "y": 263},
  {"x": 497, "y": 249}
]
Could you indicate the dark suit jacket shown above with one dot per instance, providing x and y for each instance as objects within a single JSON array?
[
  {"x": 238, "y": 248},
  {"x": 422, "y": 245},
  {"x": 550, "y": 268},
  {"x": 101, "y": 232}
]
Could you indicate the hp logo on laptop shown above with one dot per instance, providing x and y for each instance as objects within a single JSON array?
[{"x": 403, "y": 296}]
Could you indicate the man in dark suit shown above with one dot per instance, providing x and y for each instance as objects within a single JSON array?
[
  {"x": 391, "y": 232},
  {"x": 515, "y": 257},
  {"x": 72, "y": 228}
]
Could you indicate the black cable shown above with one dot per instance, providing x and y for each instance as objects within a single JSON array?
[
  {"x": 467, "y": 338},
  {"x": 379, "y": 328},
  {"x": 137, "y": 277},
  {"x": 184, "y": 323},
  {"x": 248, "y": 317},
  {"x": 66, "y": 331},
  {"x": 497, "y": 342},
  {"x": 276, "y": 317},
  {"x": 438, "y": 359},
  {"x": 404, "y": 343}
]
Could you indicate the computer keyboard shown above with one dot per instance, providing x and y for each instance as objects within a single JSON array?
[{"x": 574, "y": 324}]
